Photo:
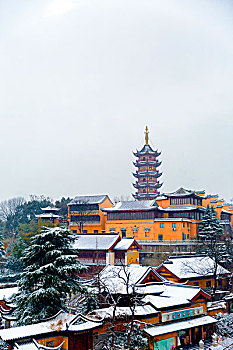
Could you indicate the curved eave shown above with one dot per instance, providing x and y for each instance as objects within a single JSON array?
[
  {"x": 147, "y": 162},
  {"x": 147, "y": 173}
]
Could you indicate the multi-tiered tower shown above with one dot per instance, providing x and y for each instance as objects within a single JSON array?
[{"x": 147, "y": 175}]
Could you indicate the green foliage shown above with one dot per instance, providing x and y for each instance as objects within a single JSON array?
[
  {"x": 50, "y": 274},
  {"x": 91, "y": 303},
  {"x": 3, "y": 345},
  {"x": 210, "y": 233},
  {"x": 13, "y": 264},
  {"x": 62, "y": 205},
  {"x": 224, "y": 325},
  {"x": 137, "y": 339},
  {"x": 23, "y": 213}
]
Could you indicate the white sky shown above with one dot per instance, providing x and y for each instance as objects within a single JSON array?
[{"x": 80, "y": 79}]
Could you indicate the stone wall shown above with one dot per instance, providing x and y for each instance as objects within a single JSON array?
[{"x": 153, "y": 253}]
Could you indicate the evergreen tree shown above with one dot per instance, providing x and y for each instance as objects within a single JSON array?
[
  {"x": 2, "y": 250},
  {"x": 91, "y": 303},
  {"x": 210, "y": 233},
  {"x": 50, "y": 274}
]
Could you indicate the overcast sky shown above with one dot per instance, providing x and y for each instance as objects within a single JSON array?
[{"x": 80, "y": 79}]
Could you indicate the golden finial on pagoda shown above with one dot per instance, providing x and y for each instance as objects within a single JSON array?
[{"x": 147, "y": 135}]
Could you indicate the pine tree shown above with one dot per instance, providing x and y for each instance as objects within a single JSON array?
[
  {"x": 210, "y": 233},
  {"x": 50, "y": 274},
  {"x": 2, "y": 250}
]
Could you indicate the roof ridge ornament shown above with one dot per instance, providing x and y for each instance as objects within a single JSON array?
[{"x": 146, "y": 136}]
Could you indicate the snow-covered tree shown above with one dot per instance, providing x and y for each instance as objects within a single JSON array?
[
  {"x": 2, "y": 250},
  {"x": 91, "y": 303},
  {"x": 210, "y": 233},
  {"x": 136, "y": 341},
  {"x": 50, "y": 274},
  {"x": 3, "y": 345},
  {"x": 224, "y": 325}
]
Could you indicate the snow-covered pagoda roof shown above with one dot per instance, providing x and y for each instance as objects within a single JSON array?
[
  {"x": 147, "y": 149},
  {"x": 182, "y": 192},
  {"x": 96, "y": 199},
  {"x": 185, "y": 267},
  {"x": 95, "y": 242},
  {"x": 133, "y": 205}
]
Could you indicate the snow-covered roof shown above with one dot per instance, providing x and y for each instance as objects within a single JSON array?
[
  {"x": 124, "y": 244},
  {"x": 182, "y": 208},
  {"x": 97, "y": 199},
  {"x": 226, "y": 212},
  {"x": 172, "y": 219},
  {"x": 182, "y": 192},
  {"x": 141, "y": 310},
  {"x": 95, "y": 242},
  {"x": 161, "y": 302},
  {"x": 61, "y": 322},
  {"x": 133, "y": 205},
  {"x": 186, "y": 291},
  {"x": 161, "y": 197},
  {"x": 150, "y": 288},
  {"x": 47, "y": 215},
  {"x": 49, "y": 326},
  {"x": 50, "y": 208},
  {"x": 82, "y": 323},
  {"x": 6, "y": 293},
  {"x": 33, "y": 345},
  {"x": 173, "y": 294},
  {"x": 113, "y": 278},
  {"x": 191, "y": 267},
  {"x": 181, "y": 325}
]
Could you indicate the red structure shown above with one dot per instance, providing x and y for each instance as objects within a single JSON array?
[{"x": 147, "y": 173}]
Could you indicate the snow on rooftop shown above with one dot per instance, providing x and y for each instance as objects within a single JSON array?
[
  {"x": 49, "y": 326},
  {"x": 177, "y": 326},
  {"x": 160, "y": 302},
  {"x": 96, "y": 199},
  {"x": 47, "y": 215},
  {"x": 140, "y": 310},
  {"x": 6, "y": 293},
  {"x": 133, "y": 205},
  {"x": 33, "y": 345},
  {"x": 182, "y": 208},
  {"x": 172, "y": 220},
  {"x": 95, "y": 242},
  {"x": 194, "y": 266},
  {"x": 179, "y": 290},
  {"x": 50, "y": 208},
  {"x": 113, "y": 278},
  {"x": 124, "y": 244}
]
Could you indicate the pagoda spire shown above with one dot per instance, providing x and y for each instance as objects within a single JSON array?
[
  {"x": 147, "y": 184},
  {"x": 147, "y": 136}
]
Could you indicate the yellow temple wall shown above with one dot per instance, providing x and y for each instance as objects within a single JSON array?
[{"x": 155, "y": 229}]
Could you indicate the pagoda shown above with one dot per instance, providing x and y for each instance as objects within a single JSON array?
[{"x": 147, "y": 173}]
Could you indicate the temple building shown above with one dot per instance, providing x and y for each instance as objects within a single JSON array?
[{"x": 147, "y": 174}]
